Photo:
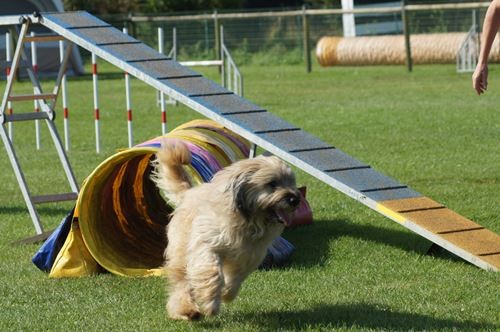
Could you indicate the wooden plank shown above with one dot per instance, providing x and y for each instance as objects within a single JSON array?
[
  {"x": 43, "y": 38},
  {"x": 480, "y": 242},
  {"x": 228, "y": 104},
  {"x": 165, "y": 69},
  {"x": 261, "y": 122},
  {"x": 329, "y": 159},
  {"x": 105, "y": 36},
  {"x": 441, "y": 220},
  {"x": 366, "y": 180},
  {"x": 430, "y": 215},
  {"x": 392, "y": 194},
  {"x": 32, "y": 97},
  {"x": 195, "y": 86},
  {"x": 133, "y": 53},
  {"x": 493, "y": 259},
  {"x": 411, "y": 204},
  {"x": 204, "y": 63},
  {"x": 54, "y": 198},
  {"x": 26, "y": 116},
  {"x": 76, "y": 20}
]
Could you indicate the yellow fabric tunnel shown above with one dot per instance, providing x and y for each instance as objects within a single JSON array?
[{"x": 120, "y": 215}]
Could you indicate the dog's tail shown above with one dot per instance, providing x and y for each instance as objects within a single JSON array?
[{"x": 169, "y": 174}]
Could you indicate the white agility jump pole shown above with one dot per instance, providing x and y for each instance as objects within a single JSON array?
[
  {"x": 96, "y": 104},
  {"x": 162, "y": 96},
  {"x": 64, "y": 100},
  {"x": 34, "y": 63},
  {"x": 8, "y": 58},
  {"x": 129, "y": 106}
]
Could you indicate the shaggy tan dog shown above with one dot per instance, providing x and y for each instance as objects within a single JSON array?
[{"x": 220, "y": 231}]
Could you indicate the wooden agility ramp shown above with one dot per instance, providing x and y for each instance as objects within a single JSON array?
[{"x": 383, "y": 194}]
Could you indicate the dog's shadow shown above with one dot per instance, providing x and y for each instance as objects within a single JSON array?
[
  {"x": 314, "y": 242},
  {"x": 362, "y": 315}
]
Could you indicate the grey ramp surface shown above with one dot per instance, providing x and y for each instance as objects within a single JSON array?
[
  {"x": 305, "y": 151},
  {"x": 216, "y": 102}
]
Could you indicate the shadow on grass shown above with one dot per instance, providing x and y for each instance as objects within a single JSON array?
[
  {"x": 46, "y": 210},
  {"x": 364, "y": 316},
  {"x": 313, "y": 242}
]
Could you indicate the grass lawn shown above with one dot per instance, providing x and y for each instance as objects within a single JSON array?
[{"x": 352, "y": 270}]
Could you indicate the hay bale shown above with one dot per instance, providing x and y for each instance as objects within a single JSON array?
[{"x": 385, "y": 50}]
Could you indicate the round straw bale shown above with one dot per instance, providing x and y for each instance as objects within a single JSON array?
[
  {"x": 326, "y": 50},
  {"x": 384, "y": 50}
]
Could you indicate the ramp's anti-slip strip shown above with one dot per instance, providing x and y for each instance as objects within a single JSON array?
[{"x": 446, "y": 227}]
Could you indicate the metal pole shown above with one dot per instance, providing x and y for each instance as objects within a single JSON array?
[
  {"x": 222, "y": 67},
  {"x": 174, "y": 42},
  {"x": 64, "y": 99},
  {"x": 305, "y": 37},
  {"x": 34, "y": 64},
  {"x": 217, "y": 31},
  {"x": 406, "y": 31},
  {"x": 96, "y": 104},
  {"x": 162, "y": 96},
  {"x": 129, "y": 106},
  {"x": 8, "y": 58}
]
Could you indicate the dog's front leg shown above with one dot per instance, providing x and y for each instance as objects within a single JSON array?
[
  {"x": 204, "y": 273},
  {"x": 233, "y": 278}
]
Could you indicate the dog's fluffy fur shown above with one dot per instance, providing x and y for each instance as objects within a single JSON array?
[{"x": 220, "y": 231}]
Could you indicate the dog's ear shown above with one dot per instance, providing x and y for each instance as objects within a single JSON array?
[{"x": 240, "y": 189}]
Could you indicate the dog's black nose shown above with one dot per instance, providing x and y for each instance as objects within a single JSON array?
[{"x": 293, "y": 199}]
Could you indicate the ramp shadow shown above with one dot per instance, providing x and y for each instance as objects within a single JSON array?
[
  {"x": 361, "y": 315},
  {"x": 313, "y": 242}
]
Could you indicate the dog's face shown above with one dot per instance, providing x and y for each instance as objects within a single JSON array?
[{"x": 264, "y": 189}]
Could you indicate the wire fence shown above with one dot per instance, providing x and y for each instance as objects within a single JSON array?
[{"x": 280, "y": 35}]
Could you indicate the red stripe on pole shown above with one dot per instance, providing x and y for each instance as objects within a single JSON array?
[
  {"x": 96, "y": 112},
  {"x": 94, "y": 68},
  {"x": 8, "y": 71},
  {"x": 10, "y": 111},
  {"x": 129, "y": 115},
  {"x": 66, "y": 113},
  {"x": 37, "y": 109},
  {"x": 163, "y": 117},
  {"x": 35, "y": 68}
]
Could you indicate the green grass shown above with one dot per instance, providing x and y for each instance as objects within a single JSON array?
[{"x": 352, "y": 270}]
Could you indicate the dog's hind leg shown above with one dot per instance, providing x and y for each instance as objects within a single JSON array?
[{"x": 204, "y": 273}]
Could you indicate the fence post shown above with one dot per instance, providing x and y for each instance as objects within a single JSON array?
[
  {"x": 305, "y": 37},
  {"x": 406, "y": 31},
  {"x": 217, "y": 36}
]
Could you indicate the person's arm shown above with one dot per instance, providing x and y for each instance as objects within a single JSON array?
[{"x": 490, "y": 28}]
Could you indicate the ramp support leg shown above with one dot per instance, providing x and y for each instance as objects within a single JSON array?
[{"x": 21, "y": 180}]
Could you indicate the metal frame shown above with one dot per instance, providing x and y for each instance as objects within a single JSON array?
[
  {"x": 47, "y": 102},
  {"x": 468, "y": 52},
  {"x": 231, "y": 77},
  {"x": 254, "y": 124}
]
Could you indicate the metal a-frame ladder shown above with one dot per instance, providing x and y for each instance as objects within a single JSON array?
[{"x": 47, "y": 102}]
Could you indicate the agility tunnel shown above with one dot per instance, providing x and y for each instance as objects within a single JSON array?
[
  {"x": 120, "y": 216},
  {"x": 431, "y": 48}
]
